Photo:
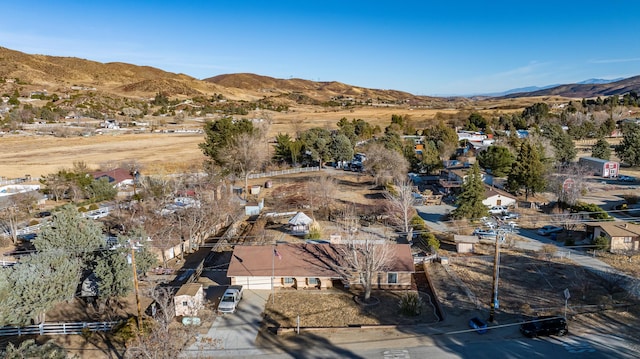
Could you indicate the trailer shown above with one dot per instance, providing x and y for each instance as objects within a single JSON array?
[{"x": 600, "y": 167}]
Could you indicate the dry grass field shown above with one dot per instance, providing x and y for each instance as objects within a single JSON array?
[{"x": 39, "y": 155}]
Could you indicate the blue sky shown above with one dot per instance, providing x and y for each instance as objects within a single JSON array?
[{"x": 422, "y": 47}]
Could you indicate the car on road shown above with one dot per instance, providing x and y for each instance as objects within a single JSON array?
[
  {"x": 544, "y": 326},
  {"x": 478, "y": 324},
  {"x": 549, "y": 229},
  {"x": 626, "y": 179}
]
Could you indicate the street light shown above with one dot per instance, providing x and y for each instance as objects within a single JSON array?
[{"x": 500, "y": 237}]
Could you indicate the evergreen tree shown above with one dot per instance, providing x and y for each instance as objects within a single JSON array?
[
  {"x": 527, "y": 171},
  {"x": 341, "y": 148},
  {"x": 70, "y": 232},
  {"x": 601, "y": 150},
  {"x": 497, "y": 159},
  {"x": 469, "y": 201},
  {"x": 629, "y": 149},
  {"x": 219, "y": 136},
  {"x": 429, "y": 159}
]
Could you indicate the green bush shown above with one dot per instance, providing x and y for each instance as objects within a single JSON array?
[
  {"x": 417, "y": 223},
  {"x": 601, "y": 243},
  {"x": 595, "y": 212},
  {"x": 93, "y": 207},
  {"x": 411, "y": 304},
  {"x": 82, "y": 209}
]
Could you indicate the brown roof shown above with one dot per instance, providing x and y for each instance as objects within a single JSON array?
[
  {"x": 116, "y": 175},
  {"x": 189, "y": 289},
  {"x": 492, "y": 191},
  {"x": 302, "y": 260},
  {"x": 618, "y": 229}
]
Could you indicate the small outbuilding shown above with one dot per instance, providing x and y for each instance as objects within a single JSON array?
[
  {"x": 189, "y": 299},
  {"x": 300, "y": 224}
]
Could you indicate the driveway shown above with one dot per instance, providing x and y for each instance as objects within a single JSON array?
[
  {"x": 435, "y": 216},
  {"x": 233, "y": 335}
]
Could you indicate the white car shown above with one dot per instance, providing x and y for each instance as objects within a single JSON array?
[
  {"x": 497, "y": 209},
  {"x": 548, "y": 229}
]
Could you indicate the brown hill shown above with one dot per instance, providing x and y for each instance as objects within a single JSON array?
[
  {"x": 318, "y": 90},
  {"x": 587, "y": 90}
]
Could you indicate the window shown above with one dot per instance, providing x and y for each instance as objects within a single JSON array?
[
  {"x": 185, "y": 303},
  {"x": 313, "y": 281},
  {"x": 628, "y": 239},
  {"x": 392, "y": 278},
  {"x": 288, "y": 280}
]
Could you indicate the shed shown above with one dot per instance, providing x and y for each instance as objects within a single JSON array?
[
  {"x": 189, "y": 299},
  {"x": 253, "y": 208},
  {"x": 465, "y": 244},
  {"x": 300, "y": 223}
]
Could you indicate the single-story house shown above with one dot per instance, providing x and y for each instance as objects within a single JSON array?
[
  {"x": 496, "y": 197},
  {"x": 119, "y": 177},
  {"x": 189, "y": 299},
  {"x": 310, "y": 265},
  {"x": 622, "y": 236},
  {"x": 300, "y": 223}
]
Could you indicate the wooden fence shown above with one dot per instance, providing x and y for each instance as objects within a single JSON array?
[{"x": 57, "y": 328}]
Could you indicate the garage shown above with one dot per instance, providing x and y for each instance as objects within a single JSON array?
[{"x": 252, "y": 282}]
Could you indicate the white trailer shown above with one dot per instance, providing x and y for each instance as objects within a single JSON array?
[{"x": 600, "y": 167}]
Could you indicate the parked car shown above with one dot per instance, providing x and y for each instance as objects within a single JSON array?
[
  {"x": 230, "y": 299},
  {"x": 27, "y": 237},
  {"x": 478, "y": 324},
  {"x": 485, "y": 233},
  {"x": 510, "y": 215},
  {"x": 43, "y": 214},
  {"x": 547, "y": 325},
  {"x": 497, "y": 209},
  {"x": 626, "y": 179},
  {"x": 548, "y": 230}
]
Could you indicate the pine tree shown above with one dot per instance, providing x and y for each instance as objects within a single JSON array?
[
  {"x": 527, "y": 171},
  {"x": 601, "y": 150},
  {"x": 629, "y": 149},
  {"x": 469, "y": 201}
]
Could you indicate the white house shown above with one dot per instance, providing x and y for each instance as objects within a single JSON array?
[
  {"x": 189, "y": 299},
  {"x": 496, "y": 197}
]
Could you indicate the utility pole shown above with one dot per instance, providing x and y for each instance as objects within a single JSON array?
[
  {"x": 135, "y": 286},
  {"x": 496, "y": 272}
]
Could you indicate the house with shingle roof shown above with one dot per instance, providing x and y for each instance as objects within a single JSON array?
[
  {"x": 622, "y": 236},
  {"x": 497, "y": 197},
  {"x": 308, "y": 266},
  {"x": 118, "y": 177}
]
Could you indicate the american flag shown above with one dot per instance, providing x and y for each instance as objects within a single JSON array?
[{"x": 277, "y": 254}]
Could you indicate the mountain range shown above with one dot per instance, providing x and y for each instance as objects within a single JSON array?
[{"x": 59, "y": 74}]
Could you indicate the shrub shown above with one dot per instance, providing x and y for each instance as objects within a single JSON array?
[
  {"x": 33, "y": 222},
  {"x": 432, "y": 241},
  {"x": 411, "y": 304},
  {"x": 315, "y": 232},
  {"x": 93, "y": 207},
  {"x": 82, "y": 209},
  {"x": 631, "y": 199},
  {"x": 601, "y": 243},
  {"x": 595, "y": 212},
  {"x": 417, "y": 223}
]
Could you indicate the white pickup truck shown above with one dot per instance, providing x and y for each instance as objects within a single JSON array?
[{"x": 230, "y": 299}]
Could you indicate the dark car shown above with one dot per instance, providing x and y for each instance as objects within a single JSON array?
[
  {"x": 27, "y": 237},
  {"x": 543, "y": 326},
  {"x": 43, "y": 214}
]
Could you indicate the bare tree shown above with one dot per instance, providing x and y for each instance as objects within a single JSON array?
[
  {"x": 322, "y": 191},
  {"x": 18, "y": 208},
  {"x": 385, "y": 165},
  {"x": 569, "y": 184},
  {"x": 362, "y": 260},
  {"x": 399, "y": 205},
  {"x": 246, "y": 154}
]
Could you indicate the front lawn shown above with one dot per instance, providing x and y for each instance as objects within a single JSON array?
[{"x": 333, "y": 308}]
